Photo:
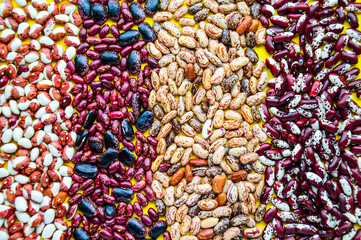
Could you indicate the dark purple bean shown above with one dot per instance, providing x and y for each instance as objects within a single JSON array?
[
  {"x": 153, "y": 214},
  {"x": 147, "y": 220}
]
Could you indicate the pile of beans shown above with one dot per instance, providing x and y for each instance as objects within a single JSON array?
[
  {"x": 110, "y": 103},
  {"x": 35, "y": 125},
  {"x": 312, "y": 160},
  {"x": 205, "y": 96}
]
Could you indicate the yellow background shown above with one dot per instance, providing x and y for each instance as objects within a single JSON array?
[{"x": 259, "y": 49}]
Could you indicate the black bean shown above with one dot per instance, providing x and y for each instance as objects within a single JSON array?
[
  {"x": 137, "y": 11},
  {"x": 80, "y": 234},
  {"x": 157, "y": 229},
  {"x": 147, "y": 32},
  {"x": 123, "y": 194},
  {"x": 134, "y": 62},
  {"x": 127, "y": 130},
  {"x": 95, "y": 144},
  {"x": 81, "y": 138},
  {"x": 89, "y": 119},
  {"x": 108, "y": 157},
  {"x": 110, "y": 140},
  {"x": 151, "y": 6},
  {"x": 126, "y": 156},
  {"x": 81, "y": 64},
  {"x": 84, "y": 7},
  {"x": 129, "y": 38},
  {"x": 87, "y": 207},
  {"x": 144, "y": 121},
  {"x": 114, "y": 10},
  {"x": 110, "y": 57},
  {"x": 86, "y": 170},
  {"x": 100, "y": 13}
]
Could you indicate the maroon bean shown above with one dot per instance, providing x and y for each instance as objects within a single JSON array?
[
  {"x": 95, "y": 64},
  {"x": 153, "y": 214},
  {"x": 270, "y": 47},
  {"x": 120, "y": 23},
  {"x": 129, "y": 210},
  {"x": 146, "y": 220},
  {"x": 167, "y": 235},
  {"x": 110, "y": 40},
  {"x": 152, "y": 62},
  {"x": 142, "y": 199},
  {"x": 75, "y": 199},
  {"x": 149, "y": 193},
  {"x": 344, "y": 228},
  {"x": 104, "y": 31},
  {"x": 358, "y": 235},
  {"x": 126, "y": 50},
  {"x": 152, "y": 140},
  {"x": 349, "y": 56},
  {"x": 118, "y": 236},
  {"x": 88, "y": 23},
  {"x": 97, "y": 193},
  {"x": 127, "y": 26},
  {"x": 119, "y": 228},
  {"x": 73, "y": 188},
  {"x": 125, "y": 12},
  {"x": 143, "y": 54},
  {"x": 138, "y": 210},
  {"x": 92, "y": 54},
  {"x": 122, "y": 220},
  {"x": 82, "y": 34},
  {"x": 86, "y": 184},
  {"x": 75, "y": 222},
  {"x": 270, "y": 214},
  {"x": 93, "y": 30},
  {"x": 267, "y": 195},
  {"x": 149, "y": 177},
  {"x": 114, "y": 30},
  {"x": 138, "y": 45},
  {"x": 106, "y": 233},
  {"x": 77, "y": 178},
  {"x": 92, "y": 40},
  {"x": 114, "y": 48},
  {"x": 125, "y": 184},
  {"x": 139, "y": 174},
  {"x": 277, "y": 224},
  {"x": 138, "y": 186}
]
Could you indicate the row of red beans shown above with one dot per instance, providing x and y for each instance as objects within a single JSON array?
[{"x": 104, "y": 90}]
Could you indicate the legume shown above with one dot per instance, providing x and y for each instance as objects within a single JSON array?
[
  {"x": 36, "y": 135},
  {"x": 312, "y": 167},
  {"x": 212, "y": 80},
  {"x": 104, "y": 121}
]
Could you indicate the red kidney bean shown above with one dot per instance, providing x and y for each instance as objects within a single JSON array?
[
  {"x": 153, "y": 214},
  {"x": 93, "y": 30},
  {"x": 129, "y": 210},
  {"x": 149, "y": 193},
  {"x": 138, "y": 210},
  {"x": 95, "y": 64},
  {"x": 149, "y": 177},
  {"x": 110, "y": 108},
  {"x": 142, "y": 199},
  {"x": 104, "y": 30},
  {"x": 146, "y": 220}
]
